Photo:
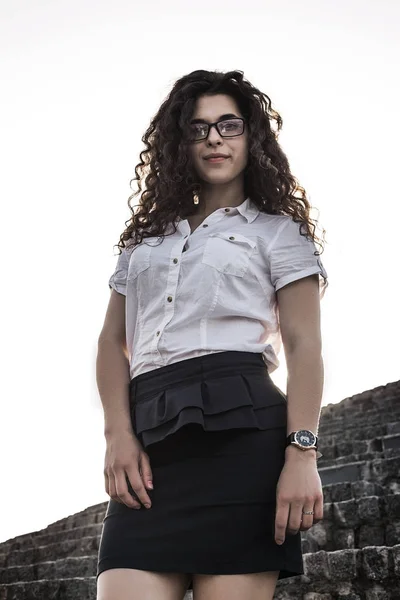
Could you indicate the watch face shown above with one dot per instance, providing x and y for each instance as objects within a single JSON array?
[{"x": 305, "y": 438}]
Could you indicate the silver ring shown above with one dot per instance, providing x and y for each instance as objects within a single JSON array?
[{"x": 307, "y": 512}]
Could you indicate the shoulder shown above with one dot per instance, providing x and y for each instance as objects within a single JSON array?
[
  {"x": 270, "y": 228},
  {"x": 273, "y": 222}
]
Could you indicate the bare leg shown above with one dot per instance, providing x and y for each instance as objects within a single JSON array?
[
  {"x": 134, "y": 584},
  {"x": 257, "y": 586}
]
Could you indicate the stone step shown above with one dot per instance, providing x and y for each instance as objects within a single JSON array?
[
  {"x": 71, "y": 588},
  {"x": 326, "y": 461},
  {"x": 327, "y": 576},
  {"x": 363, "y": 427},
  {"x": 85, "y": 546},
  {"x": 79, "y": 566},
  {"x": 349, "y": 407},
  {"x": 355, "y": 523},
  {"x": 369, "y": 573},
  {"x": 384, "y": 471},
  {"x": 347, "y": 490},
  {"x": 335, "y": 447},
  {"x": 384, "y": 398}
]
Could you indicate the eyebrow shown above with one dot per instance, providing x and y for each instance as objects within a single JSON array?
[{"x": 227, "y": 116}]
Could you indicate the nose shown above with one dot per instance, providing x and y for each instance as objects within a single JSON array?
[{"x": 213, "y": 135}]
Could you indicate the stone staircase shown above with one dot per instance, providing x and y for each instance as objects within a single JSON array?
[{"x": 353, "y": 554}]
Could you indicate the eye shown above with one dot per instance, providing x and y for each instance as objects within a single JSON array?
[
  {"x": 198, "y": 129},
  {"x": 231, "y": 126}
]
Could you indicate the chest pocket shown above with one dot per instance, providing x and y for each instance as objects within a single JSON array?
[
  {"x": 229, "y": 253},
  {"x": 139, "y": 261}
]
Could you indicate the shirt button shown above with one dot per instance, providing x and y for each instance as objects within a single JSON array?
[
  {"x": 227, "y": 209},
  {"x": 205, "y": 225},
  {"x": 169, "y": 298},
  {"x": 175, "y": 260},
  {"x": 158, "y": 333},
  {"x": 231, "y": 237}
]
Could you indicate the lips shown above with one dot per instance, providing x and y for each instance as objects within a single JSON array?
[{"x": 210, "y": 156}]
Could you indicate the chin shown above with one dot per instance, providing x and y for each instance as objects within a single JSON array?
[{"x": 219, "y": 175}]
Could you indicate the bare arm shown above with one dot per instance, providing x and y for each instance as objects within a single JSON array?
[
  {"x": 299, "y": 309},
  {"x": 299, "y": 495},
  {"x": 112, "y": 369}
]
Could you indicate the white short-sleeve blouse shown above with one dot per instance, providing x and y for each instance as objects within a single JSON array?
[{"x": 212, "y": 290}]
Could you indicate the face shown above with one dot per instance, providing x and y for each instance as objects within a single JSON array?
[{"x": 210, "y": 109}]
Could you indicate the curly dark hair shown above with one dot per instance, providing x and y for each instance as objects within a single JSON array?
[{"x": 171, "y": 179}]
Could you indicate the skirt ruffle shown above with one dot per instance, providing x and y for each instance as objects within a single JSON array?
[{"x": 245, "y": 399}]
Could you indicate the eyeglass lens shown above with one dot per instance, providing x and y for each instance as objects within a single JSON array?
[{"x": 227, "y": 128}]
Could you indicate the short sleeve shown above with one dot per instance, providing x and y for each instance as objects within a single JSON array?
[
  {"x": 292, "y": 257},
  {"x": 117, "y": 280}
]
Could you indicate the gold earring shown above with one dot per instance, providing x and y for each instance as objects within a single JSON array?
[{"x": 195, "y": 199}]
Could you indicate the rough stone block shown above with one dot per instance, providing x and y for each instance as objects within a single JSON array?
[
  {"x": 345, "y": 514},
  {"x": 328, "y": 451},
  {"x": 394, "y": 552},
  {"x": 360, "y": 447},
  {"x": 344, "y": 591},
  {"x": 316, "y": 565},
  {"x": 344, "y": 538},
  {"x": 385, "y": 470},
  {"x": 360, "y": 489},
  {"x": 375, "y": 562},
  {"x": 377, "y": 594},
  {"x": 371, "y": 535},
  {"x": 328, "y": 511},
  {"x": 392, "y": 534},
  {"x": 327, "y": 491},
  {"x": 349, "y": 596},
  {"x": 316, "y": 537},
  {"x": 344, "y": 448},
  {"x": 342, "y": 565},
  {"x": 368, "y": 509},
  {"x": 393, "y": 427},
  {"x": 341, "y": 491},
  {"x": 391, "y": 504}
]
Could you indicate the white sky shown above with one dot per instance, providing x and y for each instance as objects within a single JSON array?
[{"x": 81, "y": 81}]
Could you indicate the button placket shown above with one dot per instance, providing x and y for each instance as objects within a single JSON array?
[{"x": 172, "y": 281}]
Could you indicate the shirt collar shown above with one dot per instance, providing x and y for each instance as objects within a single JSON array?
[{"x": 247, "y": 209}]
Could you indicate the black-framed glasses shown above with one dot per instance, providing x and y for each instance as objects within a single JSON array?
[{"x": 225, "y": 127}]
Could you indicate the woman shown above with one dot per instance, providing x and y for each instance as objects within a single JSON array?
[{"x": 185, "y": 380}]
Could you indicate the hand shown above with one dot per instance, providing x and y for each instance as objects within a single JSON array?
[
  {"x": 126, "y": 461},
  {"x": 299, "y": 488}
]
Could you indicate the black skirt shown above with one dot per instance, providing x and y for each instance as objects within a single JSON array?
[{"x": 214, "y": 428}]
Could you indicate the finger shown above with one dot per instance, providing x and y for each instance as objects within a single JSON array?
[
  {"x": 132, "y": 492},
  {"x": 307, "y": 520},
  {"x": 146, "y": 472},
  {"x": 122, "y": 490},
  {"x": 281, "y": 519},
  {"x": 295, "y": 518},
  {"x": 137, "y": 485},
  {"x": 106, "y": 483},
  {"x": 112, "y": 492},
  {"x": 318, "y": 509}
]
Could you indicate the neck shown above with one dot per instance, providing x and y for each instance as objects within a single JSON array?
[{"x": 214, "y": 196}]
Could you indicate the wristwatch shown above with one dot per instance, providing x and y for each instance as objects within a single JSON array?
[{"x": 303, "y": 439}]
